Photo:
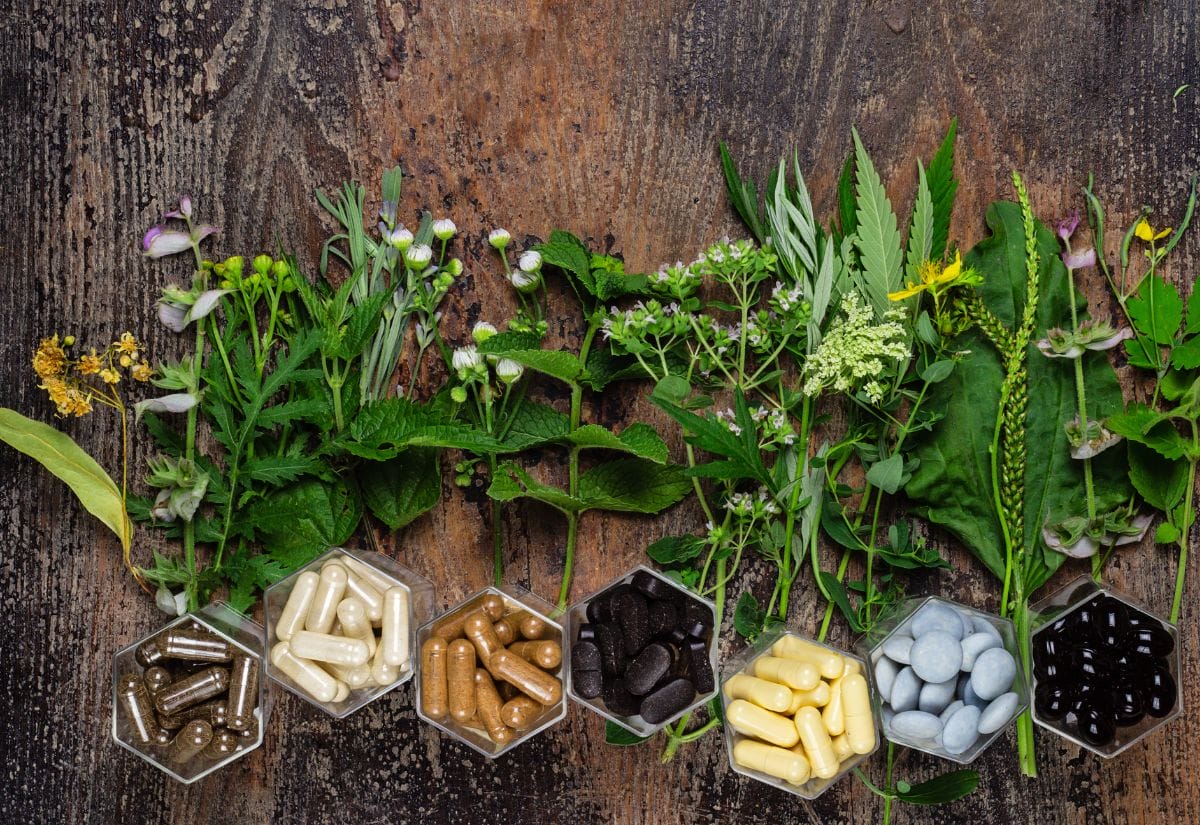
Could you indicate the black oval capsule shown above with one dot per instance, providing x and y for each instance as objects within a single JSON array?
[
  {"x": 1051, "y": 700},
  {"x": 1151, "y": 641},
  {"x": 645, "y": 671},
  {"x": 1127, "y": 706},
  {"x": 1096, "y": 726},
  {"x": 668, "y": 700}
]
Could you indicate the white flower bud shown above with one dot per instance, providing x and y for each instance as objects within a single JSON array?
[
  {"x": 523, "y": 281},
  {"x": 465, "y": 359},
  {"x": 418, "y": 256},
  {"x": 499, "y": 238},
  {"x": 530, "y": 261},
  {"x": 509, "y": 371},
  {"x": 444, "y": 229},
  {"x": 400, "y": 238},
  {"x": 482, "y": 331}
]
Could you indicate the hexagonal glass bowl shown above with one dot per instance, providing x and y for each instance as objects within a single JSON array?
[
  {"x": 898, "y": 622},
  {"x": 236, "y": 629},
  {"x": 577, "y": 616},
  {"x": 1059, "y": 605},
  {"x": 515, "y": 599},
  {"x": 367, "y": 566},
  {"x": 815, "y": 786}
]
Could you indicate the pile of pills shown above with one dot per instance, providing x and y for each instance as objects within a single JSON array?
[
  {"x": 490, "y": 666},
  {"x": 644, "y": 650},
  {"x": 344, "y": 629},
  {"x": 945, "y": 679},
  {"x": 1103, "y": 667},
  {"x": 800, "y": 712},
  {"x": 195, "y": 701}
]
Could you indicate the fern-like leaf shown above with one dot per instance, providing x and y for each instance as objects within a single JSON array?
[
  {"x": 920, "y": 229},
  {"x": 942, "y": 188}
]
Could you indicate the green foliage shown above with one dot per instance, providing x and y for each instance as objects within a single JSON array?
[
  {"x": 748, "y": 617},
  {"x": 877, "y": 235},
  {"x": 401, "y": 489},
  {"x": 945, "y": 788},
  {"x": 942, "y": 186}
]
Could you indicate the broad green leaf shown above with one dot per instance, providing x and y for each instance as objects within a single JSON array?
[
  {"x": 945, "y": 788},
  {"x": 920, "y": 228},
  {"x": 401, "y": 489},
  {"x": 748, "y": 617},
  {"x": 671, "y": 550},
  {"x": 558, "y": 364},
  {"x": 938, "y": 371},
  {"x": 1143, "y": 425},
  {"x": 303, "y": 520},
  {"x": 639, "y": 439},
  {"x": 847, "y": 222},
  {"x": 1157, "y": 310},
  {"x": 510, "y": 481},
  {"x": 567, "y": 252},
  {"x": 614, "y": 734},
  {"x": 673, "y": 388},
  {"x": 1161, "y": 482},
  {"x": 715, "y": 437},
  {"x": 534, "y": 424},
  {"x": 1166, "y": 533},
  {"x": 878, "y": 238},
  {"x": 887, "y": 474},
  {"x": 604, "y": 367},
  {"x": 1193, "y": 311},
  {"x": 942, "y": 188},
  {"x": 632, "y": 485},
  {"x": 277, "y": 470},
  {"x": 382, "y": 429}
]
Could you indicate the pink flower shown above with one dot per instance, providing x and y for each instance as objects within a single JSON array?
[
  {"x": 1068, "y": 225},
  {"x": 184, "y": 210},
  {"x": 159, "y": 242},
  {"x": 1079, "y": 260}
]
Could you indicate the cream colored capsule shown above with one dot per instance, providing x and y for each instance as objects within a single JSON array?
[
  {"x": 774, "y": 761},
  {"x": 295, "y": 611},
  {"x": 795, "y": 674},
  {"x": 815, "y": 698},
  {"x": 352, "y": 616},
  {"x": 751, "y": 720},
  {"x": 829, "y": 663},
  {"x": 851, "y": 666},
  {"x": 769, "y": 695},
  {"x": 383, "y": 673},
  {"x": 330, "y": 589},
  {"x": 817, "y": 744},
  {"x": 394, "y": 638},
  {"x": 842, "y": 748},
  {"x": 310, "y": 676},
  {"x": 856, "y": 705},
  {"x": 356, "y": 676},
  {"x": 832, "y": 714},
  {"x": 366, "y": 593},
  {"x": 368, "y": 573},
  {"x": 324, "y": 647},
  {"x": 343, "y": 692}
]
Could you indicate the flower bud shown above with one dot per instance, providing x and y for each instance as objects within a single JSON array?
[
  {"x": 454, "y": 268},
  {"x": 525, "y": 282},
  {"x": 418, "y": 256},
  {"x": 444, "y": 229},
  {"x": 68, "y": 340},
  {"x": 499, "y": 238},
  {"x": 530, "y": 261},
  {"x": 400, "y": 238},
  {"x": 280, "y": 270},
  {"x": 482, "y": 331},
  {"x": 465, "y": 358},
  {"x": 458, "y": 395},
  {"x": 262, "y": 263},
  {"x": 509, "y": 371}
]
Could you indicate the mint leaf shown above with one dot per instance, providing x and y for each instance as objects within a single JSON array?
[
  {"x": 639, "y": 439},
  {"x": 748, "y": 617},
  {"x": 534, "y": 424},
  {"x": 1157, "y": 311},
  {"x": 510, "y": 481},
  {"x": 382, "y": 429},
  {"x": 942, "y": 188},
  {"x": 399, "y": 490},
  {"x": 633, "y": 485},
  {"x": 945, "y": 788},
  {"x": 1161, "y": 482},
  {"x": 558, "y": 364},
  {"x": 671, "y": 550},
  {"x": 1143, "y": 425},
  {"x": 567, "y": 252},
  {"x": 277, "y": 470},
  {"x": 604, "y": 367}
]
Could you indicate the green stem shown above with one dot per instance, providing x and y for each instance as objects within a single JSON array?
[
  {"x": 1185, "y": 530},
  {"x": 887, "y": 802},
  {"x": 220, "y": 345},
  {"x": 189, "y": 527},
  {"x": 1025, "y": 743},
  {"x": 569, "y": 564},
  {"x": 497, "y": 530}
]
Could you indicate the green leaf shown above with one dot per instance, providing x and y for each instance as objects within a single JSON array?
[
  {"x": 633, "y": 485},
  {"x": 65, "y": 459},
  {"x": 672, "y": 550},
  {"x": 277, "y": 470},
  {"x": 878, "y": 238},
  {"x": 938, "y": 371},
  {"x": 748, "y": 617},
  {"x": 535, "y": 424},
  {"x": 920, "y": 228},
  {"x": 1161, "y": 482},
  {"x": 382, "y": 429},
  {"x": 672, "y": 388},
  {"x": 742, "y": 195},
  {"x": 887, "y": 474},
  {"x": 1156, "y": 311},
  {"x": 837, "y": 591},
  {"x": 510, "y": 482},
  {"x": 742, "y": 459},
  {"x": 360, "y": 327},
  {"x": 945, "y": 788},
  {"x": 301, "y": 521},
  {"x": 639, "y": 439},
  {"x": 847, "y": 221},
  {"x": 604, "y": 368},
  {"x": 942, "y": 188},
  {"x": 1167, "y": 533},
  {"x": 314, "y": 410},
  {"x": 401, "y": 489},
  {"x": 567, "y": 252},
  {"x": 1143, "y": 425},
  {"x": 614, "y": 734},
  {"x": 558, "y": 364},
  {"x": 1186, "y": 356}
]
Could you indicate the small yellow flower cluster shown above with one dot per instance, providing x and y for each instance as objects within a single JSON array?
[{"x": 63, "y": 379}]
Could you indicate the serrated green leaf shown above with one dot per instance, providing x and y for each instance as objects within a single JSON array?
[
  {"x": 1156, "y": 311},
  {"x": 1166, "y": 533},
  {"x": 633, "y": 485},
  {"x": 534, "y": 424},
  {"x": 1186, "y": 356},
  {"x": 566, "y": 252},
  {"x": 299, "y": 522},
  {"x": 1143, "y": 425},
  {"x": 299, "y": 409},
  {"x": 673, "y": 550},
  {"x": 673, "y": 388},
  {"x": 877, "y": 237},
  {"x": 278, "y": 470},
  {"x": 558, "y": 364},
  {"x": 1193, "y": 311},
  {"x": 510, "y": 482},
  {"x": 945, "y": 788},
  {"x": 382, "y": 429},
  {"x": 167, "y": 439},
  {"x": 401, "y": 489},
  {"x": 1162, "y": 483},
  {"x": 847, "y": 222},
  {"x": 748, "y": 617},
  {"x": 604, "y": 368},
  {"x": 920, "y": 228},
  {"x": 639, "y": 439},
  {"x": 942, "y": 188}
]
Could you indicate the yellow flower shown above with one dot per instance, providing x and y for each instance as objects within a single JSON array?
[
  {"x": 49, "y": 359},
  {"x": 141, "y": 372},
  {"x": 1146, "y": 232},
  {"x": 110, "y": 376},
  {"x": 126, "y": 361},
  {"x": 127, "y": 345},
  {"x": 931, "y": 275},
  {"x": 77, "y": 404},
  {"x": 57, "y": 389},
  {"x": 90, "y": 364}
]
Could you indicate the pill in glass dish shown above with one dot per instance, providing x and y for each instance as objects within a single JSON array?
[
  {"x": 222, "y": 743},
  {"x": 356, "y": 677},
  {"x": 366, "y": 593},
  {"x": 506, "y": 630},
  {"x": 818, "y": 697},
  {"x": 394, "y": 636},
  {"x": 520, "y": 712},
  {"x": 530, "y": 627},
  {"x": 308, "y": 675},
  {"x": 816, "y": 741},
  {"x": 295, "y": 610},
  {"x": 243, "y": 691},
  {"x": 382, "y": 673},
  {"x": 643, "y": 672},
  {"x": 493, "y": 605},
  {"x": 193, "y": 646},
  {"x": 136, "y": 704},
  {"x": 780, "y": 763},
  {"x": 215, "y": 712},
  {"x": 795, "y": 673},
  {"x": 148, "y": 652},
  {"x": 191, "y": 740},
  {"x": 460, "y": 679},
  {"x": 325, "y": 647},
  {"x": 342, "y": 692},
  {"x": 156, "y": 678},
  {"x": 531, "y": 680},
  {"x": 365, "y": 572},
  {"x": 751, "y": 720},
  {"x": 831, "y": 715},
  {"x": 435, "y": 698},
  {"x": 331, "y": 587},
  {"x": 856, "y": 710},
  {"x": 478, "y": 628},
  {"x": 842, "y": 749},
  {"x": 829, "y": 664},
  {"x": 488, "y": 705},
  {"x": 353, "y": 617},
  {"x": 768, "y": 695},
  {"x": 191, "y": 690},
  {"x": 667, "y": 700},
  {"x": 545, "y": 653}
]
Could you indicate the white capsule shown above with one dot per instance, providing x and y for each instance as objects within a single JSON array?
[
  {"x": 366, "y": 593},
  {"x": 355, "y": 677},
  {"x": 324, "y": 647},
  {"x": 311, "y": 678},
  {"x": 295, "y": 611},
  {"x": 330, "y": 589},
  {"x": 394, "y": 639},
  {"x": 343, "y": 692},
  {"x": 382, "y": 673},
  {"x": 353, "y": 618},
  {"x": 364, "y": 571}
]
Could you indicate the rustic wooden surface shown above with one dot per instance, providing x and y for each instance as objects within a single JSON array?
[{"x": 601, "y": 117}]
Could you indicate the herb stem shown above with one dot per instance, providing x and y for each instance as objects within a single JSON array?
[{"x": 1185, "y": 530}]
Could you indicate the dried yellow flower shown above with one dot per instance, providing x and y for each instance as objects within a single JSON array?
[
  {"x": 126, "y": 361},
  {"x": 127, "y": 344},
  {"x": 49, "y": 359},
  {"x": 90, "y": 364},
  {"x": 141, "y": 372},
  {"x": 76, "y": 404},
  {"x": 110, "y": 376}
]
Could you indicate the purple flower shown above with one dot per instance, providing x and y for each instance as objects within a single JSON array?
[
  {"x": 1079, "y": 260},
  {"x": 1068, "y": 225},
  {"x": 159, "y": 242},
  {"x": 184, "y": 210}
]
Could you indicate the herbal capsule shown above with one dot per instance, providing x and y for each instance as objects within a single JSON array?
[
  {"x": 817, "y": 744},
  {"x": 243, "y": 691},
  {"x": 295, "y": 611},
  {"x": 529, "y": 679},
  {"x": 842, "y": 749},
  {"x": 368, "y": 574},
  {"x": 330, "y": 588},
  {"x": 342, "y": 693},
  {"x": 531, "y": 626},
  {"x": 795, "y": 674},
  {"x": 488, "y": 704},
  {"x": 817, "y": 697},
  {"x": 324, "y": 647},
  {"x": 768, "y": 695},
  {"x": 366, "y": 593},
  {"x": 545, "y": 653},
  {"x": 192, "y": 690},
  {"x": 307, "y": 675},
  {"x": 148, "y": 653},
  {"x": 450, "y": 628},
  {"x": 771, "y": 760},
  {"x": 520, "y": 712},
  {"x": 856, "y": 705},
  {"x": 358, "y": 676},
  {"x": 193, "y": 646},
  {"x": 751, "y": 720},
  {"x": 832, "y": 715},
  {"x": 506, "y": 630},
  {"x": 382, "y": 673},
  {"x": 478, "y": 628},
  {"x": 353, "y": 617},
  {"x": 434, "y": 686},
  {"x": 460, "y": 677},
  {"x": 156, "y": 678},
  {"x": 250, "y": 734},
  {"x": 216, "y": 713},
  {"x": 222, "y": 744},
  {"x": 394, "y": 635},
  {"x": 134, "y": 700},
  {"x": 829, "y": 663},
  {"x": 194, "y": 738},
  {"x": 493, "y": 605}
]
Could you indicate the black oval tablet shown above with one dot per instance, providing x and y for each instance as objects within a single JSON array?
[
  {"x": 668, "y": 700},
  {"x": 644, "y": 671}
]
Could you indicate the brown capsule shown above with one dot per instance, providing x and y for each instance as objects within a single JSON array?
[
  {"x": 134, "y": 700},
  {"x": 531, "y": 626},
  {"x": 520, "y": 713},
  {"x": 479, "y": 630},
  {"x": 507, "y": 691},
  {"x": 450, "y": 627},
  {"x": 194, "y": 646},
  {"x": 528, "y": 678},
  {"x": 247, "y": 736},
  {"x": 488, "y": 702},
  {"x": 214, "y": 712},
  {"x": 194, "y": 738},
  {"x": 148, "y": 652},
  {"x": 192, "y": 690},
  {"x": 460, "y": 677},
  {"x": 434, "y": 685},
  {"x": 506, "y": 631},
  {"x": 156, "y": 678},
  {"x": 243, "y": 691},
  {"x": 224, "y": 742},
  {"x": 493, "y": 605},
  {"x": 545, "y": 653}
]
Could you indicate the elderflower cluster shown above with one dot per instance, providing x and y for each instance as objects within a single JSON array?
[{"x": 855, "y": 352}]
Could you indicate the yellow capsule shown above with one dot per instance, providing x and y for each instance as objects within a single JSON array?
[
  {"x": 817, "y": 745},
  {"x": 488, "y": 704},
  {"x": 309, "y": 676},
  {"x": 434, "y": 686},
  {"x": 829, "y": 663},
  {"x": 325, "y": 647},
  {"x": 528, "y": 678},
  {"x": 851, "y": 666},
  {"x": 795, "y": 674},
  {"x": 842, "y": 749},
  {"x": 860, "y": 721},
  {"x": 520, "y": 712},
  {"x": 769, "y": 695},
  {"x": 295, "y": 611},
  {"x": 774, "y": 761},
  {"x": 394, "y": 636},
  {"x": 382, "y": 673},
  {"x": 832, "y": 715},
  {"x": 378, "y": 581},
  {"x": 815, "y": 698},
  {"x": 330, "y": 589},
  {"x": 751, "y": 720},
  {"x": 366, "y": 593},
  {"x": 352, "y": 616},
  {"x": 355, "y": 677},
  {"x": 460, "y": 678}
]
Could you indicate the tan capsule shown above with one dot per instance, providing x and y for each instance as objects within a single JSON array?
[
  {"x": 134, "y": 700},
  {"x": 192, "y": 690},
  {"x": 478, "y": 629},
  {"x": 243, "y": 691},
  {"x": 768, "y": 695},
  {"x": 295, "y": 610},
  {"x": 795, "y": 674},
  {"x": 325, "y": 647},
  {"x": 352, "y": 616},
  {"x": 749, "y": 719},
  {"x": 545, "y": 653},
  {"x": 506, "y": 630},
  {"x": 816, "y": 698},
  {"x": 488, "y": 704},
  {"x": 366, "y": 593},
  {"x": 156, "y": 678},
  {"x": 394, "y": 635},
  {"x": 460, "y": 679},
  {"x": 377, "y": 580},
  {"x": 450, "y": 627},
  {"x": 194, "y": 646},
  {"x": 827, "y": 662},
  {"x": 772, "y": 760},
  {"x": 434, "y": 686},
  {"x": 308, "y": 676},
  {"x": 528, "y": 678},
  {"x": 856, "y": 707},
  {"x": 817, "y": 745},
  {"x": 520, "y": 712},
  {"x": 330, "y": 589},
  {"x": 531, "y": 626},
  {"x": 493, "y": 605},
  {"x": 382, "y": 673},
  {"x": 216, "y": 713},
  {"x": 194, "y": 738},
  {"x": 355, "y": 677},
  {"x": 832, "y": 716},
  {"x": 223, "y": 743},
  {"x": 248, "y": 735},
  {"x": 507, "y": 691}
]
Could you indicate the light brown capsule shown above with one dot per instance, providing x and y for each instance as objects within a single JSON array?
[
  {"x": 479, "y": 630},
  {"x": 156, "y": 678},
  {"x": 506, "y": 631},
  {"x": 493, "y": 605},
  {"x": 520, "y": 713},
  {"x": 460, "y": 677},
  {"x": 531, "y": 626},
  {"x": 451, "y": 627},
  {"x": 434, "y": 685},
  {"x": 487, "y": 701},
  {"x": 194, "y": 738},
  {"x": 192, "y": 690},
  {"x": 507, "y": 691},
  {"x": 134, "y": 701},
  {"x": 528, "y": 678},
  {"x": 223, "y": 743},
  {"x": 214, "y": 712},
  {"x": 545, "y": 653},
  {"x": 243, "y": 691},
  {"x": 148, "y": 652},
  {"x": 193, "y": 646},
  {"x": 247, "y": 736}
]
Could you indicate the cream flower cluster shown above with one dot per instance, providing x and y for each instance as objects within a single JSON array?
[{"x": 855, "y": 352}]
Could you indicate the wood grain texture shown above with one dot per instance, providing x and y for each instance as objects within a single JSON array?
[{"x": 599, "y": 117}]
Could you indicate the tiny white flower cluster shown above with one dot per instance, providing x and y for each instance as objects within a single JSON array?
[
  {"x": 786, "y": 301},
  {"x": 855, "y": 352},
  {"x": 726, "y": 417},
  {"x": 774, "y": 426},
  {"x": 646, "y": 319},
  {"x": 748, "y": 506}
]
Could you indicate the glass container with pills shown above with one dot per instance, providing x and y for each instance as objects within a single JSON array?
[
  {"x": 798, "y": 713},
  {"x": 342, "y": 629},
  {"x": 190, "y": 698},
  {"x": 1105, "y": 668},
  {"x": 946, "y": 677},
  {"x": 643, "y": 651},
  {"x": 491, "y": 670}
]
